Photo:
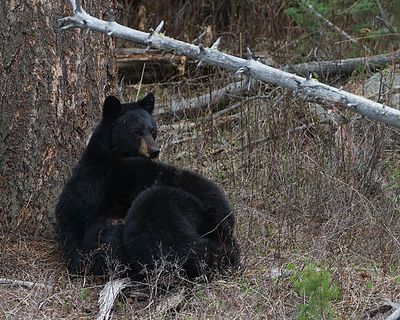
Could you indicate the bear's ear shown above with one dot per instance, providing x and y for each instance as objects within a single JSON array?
[
  {"x": 112, "y": 108},
  {"x": 147, "y": 103}
]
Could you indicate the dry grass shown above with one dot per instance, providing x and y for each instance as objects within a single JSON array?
[
  {"x": 302, "y": 191},
  {"x": 314, "y": 195},
  {"x": 237, "y": 22}
]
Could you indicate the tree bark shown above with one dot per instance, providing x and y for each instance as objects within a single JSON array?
[{"x": 51, "y": 88}]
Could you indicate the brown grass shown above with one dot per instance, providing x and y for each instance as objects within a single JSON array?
[
  {"x": 314, "y": 195},
  {"x": 320, "y": 194}
]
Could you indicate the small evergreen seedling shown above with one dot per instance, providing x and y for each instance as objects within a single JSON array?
[{"x": 316, "y": 287}]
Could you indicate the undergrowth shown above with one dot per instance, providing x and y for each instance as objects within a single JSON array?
[{"x": 315, "y": 286}]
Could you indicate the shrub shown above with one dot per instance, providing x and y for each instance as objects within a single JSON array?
[{"x": 315, "y": 285}]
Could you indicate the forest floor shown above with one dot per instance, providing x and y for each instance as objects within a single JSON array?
[
  {"x": 317, "y": 209},
  {"x": 317, "y": 202}
]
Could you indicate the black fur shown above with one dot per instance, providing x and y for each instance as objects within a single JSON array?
[
  {"x": 169, "y": 213},
  {"x": 130, "y": 176},
  {"x": 163, "y": 225},
  {"x": 83, "y": 202},
  {"x": 167, "y": 224}
]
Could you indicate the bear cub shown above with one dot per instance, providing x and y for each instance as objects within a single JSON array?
[
  {"x": 163, "y": 224},
  {"x": 167, "y": 224},
  {"x": 131, "y": 176}
]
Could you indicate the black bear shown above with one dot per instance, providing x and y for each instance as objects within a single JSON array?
[
  {"x": 166, "y": 224},
  {"x": 130, "y": 176},
  {"x": 163, "y": 224},
  {"x": 83, "y": 202},
  {"x": 168, "y": 212}
]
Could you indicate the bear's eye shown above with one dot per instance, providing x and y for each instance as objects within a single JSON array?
[
  {"x": 136, "y": 132},
  {"x": 153, "y": 132}
]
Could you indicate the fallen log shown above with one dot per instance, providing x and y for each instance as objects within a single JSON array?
[
  {"x": 178, "y": 107},
  {"x": 387, "y": 305},
  {"x": 395, "y": 315},
  {"x": 307, "y": 88},
  {"x": 345, "y": 66},
  {"x": 158, "y": 65}
]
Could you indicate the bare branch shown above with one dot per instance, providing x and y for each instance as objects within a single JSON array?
[
  {"x": 205, "y": 100},
  {"x": 383, "y": 308},
  {"x": 395, "y": 315},
  {"x": 216, "y": 44},
  {"x": 159, "y": 27},
  {"x": 24, "y": 284},
  {"x": 309, "y": 89},
  {"x": 382, "y": 17},
  {"x": 331, "y": 25}
]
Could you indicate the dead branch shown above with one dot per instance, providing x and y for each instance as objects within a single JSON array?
[
  {"x": 383, "y": 308},
  {"x": 394, "y": 305},
  {"x": 395, "y": 315},
  {"x": 108, "y": 295},
  {"x": 382, "y": 18},
  {"x": 331, "y": 25},
  {"x": 24, "y": 284},
  {"x": 345, "y": 66},
  {"x": 306, "y": 88},
  {"x": 159, "y": 65},
  {"x": 380, "y": 309},
  {"x": 177, "y": 107},
  {"x": 137, "y": 54}
]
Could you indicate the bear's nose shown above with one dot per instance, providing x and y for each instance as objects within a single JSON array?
[{"x": 154, "y": 153}]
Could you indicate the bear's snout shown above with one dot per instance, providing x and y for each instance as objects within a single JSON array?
[
  {"x": 154, "y": 153},
  {"x": 148, "y": 148}
]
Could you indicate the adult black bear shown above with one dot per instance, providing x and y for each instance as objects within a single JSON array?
[
  {"x": 83, "y": 203},
  {"x": 130, "y": 176},
  {"x": 187, "y": 217}
]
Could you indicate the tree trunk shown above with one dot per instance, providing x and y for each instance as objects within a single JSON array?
[{"x": 52, "y": 85}]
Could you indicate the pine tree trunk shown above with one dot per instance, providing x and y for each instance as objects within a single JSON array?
[{"x": 52, "y": 84}]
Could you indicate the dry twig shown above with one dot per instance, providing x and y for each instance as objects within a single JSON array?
[
  {"x": 331, "y": 25},
  {"x": 24, "y": 284}
]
